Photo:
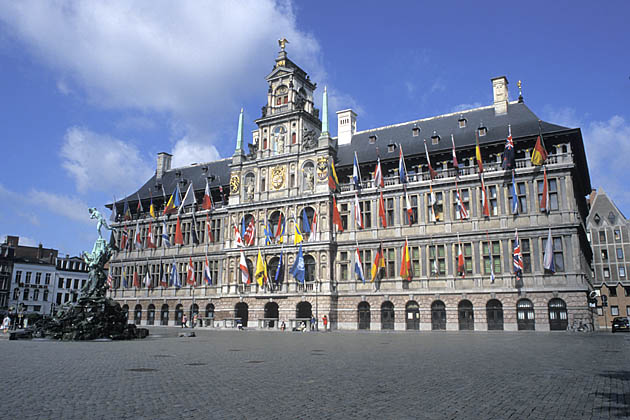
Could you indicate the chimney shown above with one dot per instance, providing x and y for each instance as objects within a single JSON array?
[
  {"x": 40, "y": 251},
  {"x": 163, "y": 164},
  {"x": 500, "y": 93},
  {"x": 13, "y": 240},
  {"x": 346, "y": 126}
]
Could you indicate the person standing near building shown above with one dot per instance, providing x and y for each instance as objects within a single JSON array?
[
  {"x": 5, "y": 324},
  {"x": 325, "y": 321},
  {"x": 184, "y": 321}
]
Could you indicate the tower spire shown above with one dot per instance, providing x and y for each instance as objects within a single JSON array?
[
  {"x": 325, "y": 132},
  {"x": 239, "y": 134}
]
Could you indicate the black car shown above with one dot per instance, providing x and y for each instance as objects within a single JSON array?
[{"x": 620, "y": 324}]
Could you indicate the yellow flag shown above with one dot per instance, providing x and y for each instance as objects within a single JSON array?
[
  {"x": 297, "y": 238},
  {"x": 152, "y": 210},
  {"x": 260, "y": 270}
]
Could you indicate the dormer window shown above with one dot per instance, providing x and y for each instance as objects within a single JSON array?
[
  {"x": 372, "y": 139},
  {"x": 482, "y": 131},
  {"x": 391, "y": 148},
  {"x": 462, "y": 121},
  {"x": 435, "y": 139},
  {"x": 597, "y": 219},
  {"x": 415, "y": 131}
]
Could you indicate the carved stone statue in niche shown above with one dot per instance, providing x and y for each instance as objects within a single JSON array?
[
  {"x": 249, "y": 189},
  {"x": 308, "y": 139},
  {"x": 280, "y": 144},
  {"x": 309, "y": 178}
]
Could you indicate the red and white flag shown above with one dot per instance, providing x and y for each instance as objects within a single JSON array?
[
  {"x": 455, "y": 163},
  {"x": 138, "y": 242},
  {"x": 314, "y": 233},
  {"x": 190, "y": 272},
  {"x": 381, "y": 210},
  {"x": 237, "y": 237},
  {"x": 485, "y": 209},
  {"x": 357, "y": 212},
  {"x": 408, "y": 208},
  {"x": 207, "y": 198},
  {"x": 150, "y": 238},
  {"x": 242, "y": 265},
  {"x": 209, "y": 229},
  {"x": 250, "y": 234},
  {"x": 378, "y": 174},
  {"x": 463, "y": 212},
  {"x": 110, "y": 280},
  {"x": 461, "y": 269}
]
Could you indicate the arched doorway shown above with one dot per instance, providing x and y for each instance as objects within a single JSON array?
[
  {"x": 364, "y": 315},
  {"x": 438, "y": 315},
  {"x": 271, "y": 311},
  {"x": 525, "y": 315},
  {"x": 209, "y": 310},
  {"x": 465, "y": 315},
  {"x": 164, "y": 315},
  {"x": 387, "y": 316},
  {"x": 125, "y": 309},
  {"x": 412, "y": 315},
  {"x": 137, "y": 314},
  {"x": 179, "y": 313},
  {"x": 304, "y": 310},
  {"x": 151, "y": 314},
  {"x": 241, "y": 310},
  {"x": 558, "y": 315},
  {"x": 494, "y": 315}
]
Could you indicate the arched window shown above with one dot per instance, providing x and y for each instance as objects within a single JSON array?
[
  {"x": 282, "y": 95},
  {"x": 304, "y": 310},
  {"x": 558, "y": 319},
  {"x": 293, "y": 138},
  {"x": 137, "y": 314},
  {"x": 248, "y": 229},
  {"x": 438, "y": 315},
  {"x": 364, "y": 315},
  {"x": 412, "y": 315},
  {"x": 209, "y": 310},
  {"x": 16, "y": 293},
  {"x": 179, "y": 313},
  {"x": 387, "y": 316},
  {"x": 279, "y": 139},
  {"x": 308, "y": 176},
  {"x": 164, "y": 315},
  {"x": 525, "y": 315},
  {"x": 125, "y": 309},
  {"x": 465, "y": 315},
  {"x": 275, "y": 278},
  {"x": 309, "y": 266},
  {"x": 494, "y": 315},
  {"x": 305, "y": 222},
  {"x": 277, "y": 226},
  {"x": 241, "y": 310},
  {"x": 151, "y": 314}
]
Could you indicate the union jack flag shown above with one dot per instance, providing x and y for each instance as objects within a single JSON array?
[{"x": 518, "y": 258}]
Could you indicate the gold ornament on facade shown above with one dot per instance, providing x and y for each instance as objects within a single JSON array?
[
  {"x": 278, "y": 177},
  {"x": 235, "y": 184},
  {"x": 322, "y": 168}
]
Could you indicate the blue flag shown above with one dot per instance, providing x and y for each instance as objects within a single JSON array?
[
  {"x": 514, "y": 196},
  {"x": 268, "y": 235},
  {"x": 298, "y": 270},
  {"x": 278, "y": 277},
  {"x": 306, "y": 227},
  {"x": 175, "y": 281},
  {"x": 356, "y": 173}
]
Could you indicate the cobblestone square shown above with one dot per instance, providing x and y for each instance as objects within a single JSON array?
[{"x": 257, "y": 374}]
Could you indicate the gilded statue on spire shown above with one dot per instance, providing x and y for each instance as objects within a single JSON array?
[{"x": 283, "y": 43}]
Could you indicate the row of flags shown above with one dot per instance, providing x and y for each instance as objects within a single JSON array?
[{"x": 166, "y": 280}]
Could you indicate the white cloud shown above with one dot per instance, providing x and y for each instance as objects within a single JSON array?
[
  {"x": 186, "y": 152},
  {"x": 136, "y": 123},
  {"x": 464, "y": 107},
  {"x": 70, "y": 207},
  {"x": 98, "y": 162},
  {"x": 607, "y": 145},
  {"x": 190, "y": 59},
  {"x": 32, "y": 218}
]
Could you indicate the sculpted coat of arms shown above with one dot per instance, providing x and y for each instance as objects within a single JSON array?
[
  {"x": 235, "y": 184},
  {"x": 278, "y": 177},
  {"x": 322, "y": 168}
]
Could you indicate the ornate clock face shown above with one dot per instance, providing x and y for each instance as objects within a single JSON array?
[
  {"x": 235, "y": 184},
  {"x": 278, "y": 177}
]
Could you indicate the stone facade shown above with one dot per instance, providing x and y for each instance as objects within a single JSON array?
[{"x": 285, "y": 178}]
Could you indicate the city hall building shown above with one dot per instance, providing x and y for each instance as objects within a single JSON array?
[{"x": 272, "y": 190}]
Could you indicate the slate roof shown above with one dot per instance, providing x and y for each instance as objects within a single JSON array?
[{"x": 523, "y": 121}]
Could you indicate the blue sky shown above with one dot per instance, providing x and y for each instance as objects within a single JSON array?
[{"x": 92, "y": 91}]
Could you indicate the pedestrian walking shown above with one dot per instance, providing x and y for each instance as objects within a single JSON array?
[
  {"x": 184, "y": 321},
  {"x": 283, "y": 326},
  {"x": 313, "y": 321},
  {"x": 194, "y": 322},
  {"x": 6, "y": 322},
  {"x": 325, "y": 321}
]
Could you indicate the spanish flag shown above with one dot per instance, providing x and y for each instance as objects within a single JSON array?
[
  {"x": 539, "y": 154},
  {"x": 405, "y": 264}
]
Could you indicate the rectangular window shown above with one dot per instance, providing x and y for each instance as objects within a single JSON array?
[
  {"x": 493, "y": 208},
  {"x": 600, "y": 311},
  {"x": 436, "y": 211},
  {"x": 602, "y": 236},
  {"x": 437, "y": 260},
  {"x": 622, "y": 272},
  {"x": 606, "y": 272},
  {"x": 38, "y": 278},
  {"x": 76, "y": 283},
  {"x": 619, "y": 253},
  {"x": 60, "y": 283},
  {"x": 553, "y": 193},
  {"x": 47, "y": 281},
  {"x": 390, "y": 262},
  {"x": 343, "y": 265},
  {"x": 46, "y": 295},
  {"x": 59, "y": 298},
  {"x": 415, "y": 261},
  {"x": 612, "y": 291},
  {"x": 366, "y": 213},
  {"x": 626, "y": 290},
  {"x": 617, "y": 235},
  {"x": 604, "y": 255},
  {"x": 467, "y": 252},
  {"x": 627, "y": 310},
  {"x": 464, "y": 194},
  {"x": 558, "y": 257},
  {"x": 521, "y": 193},
  {"x": 366, "y": 259},
  {"x": 496, "y": 257},
  {"x": 18, "y": 276},
  {"x": 68, "y": 283},
  {"x": 389, "y": 211},
  {"x": 526, "y": 251},
  {"x": 344, "y": 213},
  {"x": 25, "y": 295},
  {"x": 28, "y": 277},
  {"x": 614, "y": 310},
  {"x": 36, "y": 294}
]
